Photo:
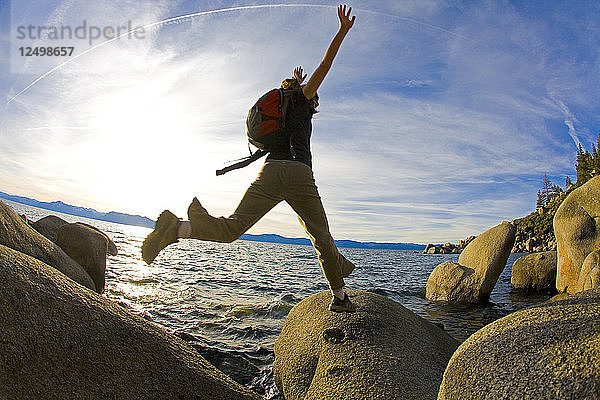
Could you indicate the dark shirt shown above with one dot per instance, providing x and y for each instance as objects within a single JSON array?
[{"x": 294, "y": 143}]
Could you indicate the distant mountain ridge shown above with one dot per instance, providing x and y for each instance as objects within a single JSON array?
[
  {"x": 272, "y": 238},
  {"x": 137, "y": 220},
  {"x": 59, "y": 206}
]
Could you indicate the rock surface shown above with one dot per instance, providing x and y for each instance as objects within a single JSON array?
[
  {"x": 111, "y": 248},
  {"x": 535, "y": 272},
  {"x": 589, "y": 277},
  {"x": 48, "y": 226},
  {"x": 550, "y": 351},
  {"x": 382, "y": 351},
  {"x": 88, "y": 246},
  {"x": 60, "y": 341},
  {"x": 479, "y": 266},
  {"x": 577, "y": 230},
  {"x": 17, "y": 235}
]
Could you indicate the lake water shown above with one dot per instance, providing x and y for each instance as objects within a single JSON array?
[{"x": 229, "y": 301}]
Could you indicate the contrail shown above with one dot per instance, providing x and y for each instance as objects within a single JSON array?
[
  {"x": 44, "y": 128},
  {"x": 569, "y": 120},
  {"x": 225, "y": 10}
]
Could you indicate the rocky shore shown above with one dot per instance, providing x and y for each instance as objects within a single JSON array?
[
  {"x": 60, "y": 338},
  {"x": 554, "y": 342},
  {"x": 534, "y": 233},
  {"x": 384, "y": 351}
]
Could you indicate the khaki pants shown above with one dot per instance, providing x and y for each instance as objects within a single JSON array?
[{"x": 293, "y": 182}]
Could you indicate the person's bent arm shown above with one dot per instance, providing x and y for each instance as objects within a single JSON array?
[{"x": 317, "y": 77}]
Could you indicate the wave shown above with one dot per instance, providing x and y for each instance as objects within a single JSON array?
[
  {"x": 408, "y": 292},
  {"x": 278, "y": 308}
]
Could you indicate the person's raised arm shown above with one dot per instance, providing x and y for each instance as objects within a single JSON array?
[{"x": 317, "y": 77}]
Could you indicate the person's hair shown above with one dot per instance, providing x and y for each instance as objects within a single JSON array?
[{"x": 291, "y": 83}]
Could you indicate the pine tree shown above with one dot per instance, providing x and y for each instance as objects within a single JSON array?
[
  {"x": 583, "y": 167},
  {"x": 540, "y": 200},
  {"x": 595, "y": 163},
  {"x": 568, "y": 182},
  {"x": 547, "y": 189},
  {"x": 555, "y": 192}
]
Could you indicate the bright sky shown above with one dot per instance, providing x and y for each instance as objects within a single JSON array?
[{"x": 438, "y": 119}]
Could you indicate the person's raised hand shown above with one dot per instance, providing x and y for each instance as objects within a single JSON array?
[
  {"x": 345, "y": 21},
  {"x": 298, "y": 75}
]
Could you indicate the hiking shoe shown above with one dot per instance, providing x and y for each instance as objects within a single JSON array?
[
  {"x": 345, "y": 305},
  {"x": 164, "y": 233}
]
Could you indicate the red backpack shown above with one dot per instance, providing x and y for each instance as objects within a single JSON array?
[
  {"x": 266, "y": 118},
  {"x": 265, "y": 122}
]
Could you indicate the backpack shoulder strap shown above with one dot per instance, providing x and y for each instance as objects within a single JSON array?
[
  {"x": 287, "y": 97},
  {"x": 246, "y": 161}
]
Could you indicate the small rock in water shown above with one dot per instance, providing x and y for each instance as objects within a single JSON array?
[
  {"x": 288, "y": 298},
  {"x": 535, "y": 272},
  {"x": 479, "y": 266}
]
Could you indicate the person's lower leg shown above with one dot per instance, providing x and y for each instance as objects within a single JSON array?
[{"x": 339, "y": 293}]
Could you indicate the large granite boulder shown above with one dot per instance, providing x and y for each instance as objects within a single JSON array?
[
  {"x": 88, "y": 246},
  {"x": 577, "y": 231},
  {"x": 48, "y": 226},
  {"x": 17, "y": 235},
  {"x": 589, "y": 276},
  {"x": 479, "y": 266},
  {"x": 535, "y": 272},
  {"x": 382, "y": 351},
  {"x": 550, "y": 351},
  {"x": 111, "y": 248},
  {"x": 60, "y": 341}
]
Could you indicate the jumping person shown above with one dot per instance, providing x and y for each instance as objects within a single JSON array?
[{"x": 286, "y": 175}]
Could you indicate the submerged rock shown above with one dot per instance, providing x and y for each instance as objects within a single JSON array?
[
  {"x": 535, "y": 272},
  {"x": 382, "y": 351},
  {"x": 17, "y": 235},
  {"x": 479, "y": 266},
  {"x": 550, "y": 351},
  {"x": 577, "y": 230},
  {"x": 60, "y": 341}
]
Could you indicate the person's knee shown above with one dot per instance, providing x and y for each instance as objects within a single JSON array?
[
  {"x": 231, "y": 238},
  {"x": 195, "y": 208},
  {"x": 233, "y": 234}
]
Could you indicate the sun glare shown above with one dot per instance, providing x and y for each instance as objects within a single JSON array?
[{"x": 137, "y": 133}]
